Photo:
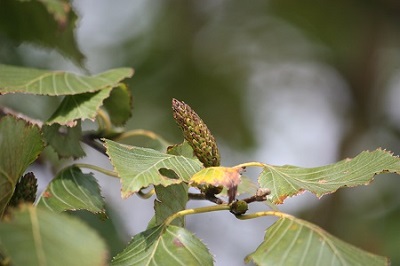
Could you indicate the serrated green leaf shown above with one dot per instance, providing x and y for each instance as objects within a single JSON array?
[
  {"x": 170, "y": 200},
  {"x": 20, "y": 145},
  {"x": 73, "y": 190},
  {"x": 50, "y": 24},
  {"x": 140, "y": 167},
  {"x": 81, "y": 106},
  {"x": 36, "y": 236},
  {"x": 55, "y": 83},
  {"x": 162, "y": 245},
  {"x": 64, "y": 140},
  {"x": 286, "y": 181},
  {"x": 300, "y": 243},
  {"x": 119, "y": 105}
]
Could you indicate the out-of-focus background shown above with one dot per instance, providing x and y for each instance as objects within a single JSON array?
[{"x": 305, "y": 83}]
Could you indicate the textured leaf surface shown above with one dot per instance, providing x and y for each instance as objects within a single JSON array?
[
  {"x": 119, "y": 105},
  {"x": 286, "y": 181},
  {"x": 140, "y": 167},
  {"x": 36, "y": 236},
  {"x": 73, "y": 190},
  {"x": 64, "y": 140},
  {"x": 82, "y": 106},
  {"x": 300, "y": 243},
  {"x": 170, "y": 200},
  {"x": 45, "y": 82},
  {"x": 20, "y": 144},
  {"x": 162, "y": 245}
]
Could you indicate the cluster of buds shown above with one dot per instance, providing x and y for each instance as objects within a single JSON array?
[
  {"x": 196, "y": 133},
  {"x": 25, "y": 190}
]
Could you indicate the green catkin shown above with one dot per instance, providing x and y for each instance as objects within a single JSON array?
[{"x": 196, "y": 133}]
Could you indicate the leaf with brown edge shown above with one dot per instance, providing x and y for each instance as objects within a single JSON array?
[
  {"x": 228, "y": 177},
  {"x": 286, "y": 181}
]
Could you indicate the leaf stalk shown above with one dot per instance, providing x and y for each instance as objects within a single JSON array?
[{"x": 97, "y": 168}]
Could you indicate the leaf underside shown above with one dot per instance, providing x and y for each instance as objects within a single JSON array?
[
  {"x": 55, "y": 83},
  {"x": 286, "y": 181},
  {"x": 140, "y": 167},
  {"x": 81, "y": 106},
  {"x": 300, "y": 243},
  {"x": 73, "y": 190},
  {"x": 162, "y": 245}
]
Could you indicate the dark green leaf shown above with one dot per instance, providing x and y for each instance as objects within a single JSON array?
[
  {"x": 46, "y": 82},
  {"x": 162, "y": 245},
  {"x": 140, "y": 167},
  {"x": 20, "y": 144},
  {"x": 119, "y": 105},
  {"x": 64, "y": 140},
  {"x": 46, "y": 23},
  {"x": 73, "y": 190},
  {"x": 292, "y": 241},
  {"x": 35, "y": 236},
  {"x": 170, "y": 200},
  {"x": 286, "y": 181}
]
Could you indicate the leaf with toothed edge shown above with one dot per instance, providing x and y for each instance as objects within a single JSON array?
[
  {"x": 164, "y": 245},
  {"x": 73, "y": 190},
  {"x": 286, "y": 181},
  {"x": 292, "y": 241},
  {"x": 140, "y": 167},
  {"x": 81, "y": 106}
]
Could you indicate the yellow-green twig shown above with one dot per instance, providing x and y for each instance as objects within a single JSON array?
[
  {"x": 97, "y": 168},
  {"x": 221, "y": 207},
  {"x": 105, "y": 120},
  {"x": 266, "y": 213},
  {"x": 146, "y": 195}
]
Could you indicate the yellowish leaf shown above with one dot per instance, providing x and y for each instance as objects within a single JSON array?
[{"x": 228, "y": 177}]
